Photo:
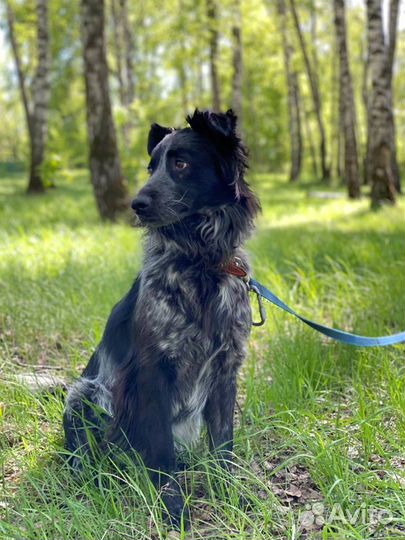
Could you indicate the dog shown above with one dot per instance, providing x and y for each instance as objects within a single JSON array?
[{"x": 172, "y": 347}]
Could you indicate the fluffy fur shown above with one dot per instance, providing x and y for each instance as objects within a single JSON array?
[{"x": 172, "y": 346}]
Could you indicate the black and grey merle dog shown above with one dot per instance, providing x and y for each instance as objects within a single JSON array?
[{"x": 171, "y": 350}]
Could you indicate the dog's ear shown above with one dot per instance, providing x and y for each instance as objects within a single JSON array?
[
  {"x": 221, "y": 128},
  {"x": 156, "y": 134},
  {"x": 218, "y": 126}
]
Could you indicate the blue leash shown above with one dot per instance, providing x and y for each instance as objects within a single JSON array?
[{"x": 338, "y": 335}]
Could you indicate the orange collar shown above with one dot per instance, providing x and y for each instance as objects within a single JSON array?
[{"x": 235, "y": 267}]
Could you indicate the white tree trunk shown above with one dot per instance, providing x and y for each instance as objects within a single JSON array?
[
  {"x": 348, "y": 111},
  {"x": 36, "y": 109},
  {"x": 392, "y": 42},
  {"x": 294, "y": 113},
  {"x": 315, "y": 94},
  {"x": 40, "y": 99},
  {"x": 381, "y": 116},
  {"x": 129, "y": 53}
]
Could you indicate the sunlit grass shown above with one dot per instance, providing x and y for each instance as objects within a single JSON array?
[{"x": 318, "y": 422}]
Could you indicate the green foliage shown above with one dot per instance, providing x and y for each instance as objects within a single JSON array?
[
  {"x": 319, "y": 422},
  {"x": 50, "y": 168},
  {"x": 171, "y": 72}
]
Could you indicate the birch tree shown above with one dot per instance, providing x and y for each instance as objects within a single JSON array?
[
  {"x": 35, "y": 105},
  {"x": 124, "y": 52},
  {"x": 392, "y": 43},
  {"x": 294, "y": 113},
  {"x": 118, "y": 49},
  {"x": 347, "y": 110},
  {"x": 129, "y": 53},
  {"x": 315, "y": 93},
  {"x": 365, "y": 96},
  {"x": 381, "y": 115},
  {"x": 109, "y": 186}
]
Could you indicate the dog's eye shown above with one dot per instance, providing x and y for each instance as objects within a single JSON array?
[
  {"x": 149, "y": 169},
  {"x": 180, "y": 164}
]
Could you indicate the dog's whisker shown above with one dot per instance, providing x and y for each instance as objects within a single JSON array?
[
  {"x": 173, "y": 212},
  {"x": 180, "y": 201}
]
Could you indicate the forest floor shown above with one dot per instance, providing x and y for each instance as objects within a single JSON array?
[{"x": 320, "y": 434}]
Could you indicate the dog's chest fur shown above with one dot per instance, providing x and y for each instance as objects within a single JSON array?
[{"x": 198, "y": 319}]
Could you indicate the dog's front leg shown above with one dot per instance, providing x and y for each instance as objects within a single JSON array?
[
  {"x": 143, "y": 415},
  {"x": 218, "y": 415}
]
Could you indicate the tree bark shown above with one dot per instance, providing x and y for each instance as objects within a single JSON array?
[
  {"x": 294, "y": 113},
  {"x": 124, "y": 49},
  {"x": 340, "y": 139},
  {"x": 40, "y": 99},
  {"x": 129, "y": 53},
  {"x": 392, "y": 41},
  {"x": 391, "y": 45},
  {"x": 335, "y": 143},
  {"x": 381, "y": 116},
  {"x": 366, "y": 104},
  {"x": 20, "y": 73},
  {"x": 392, "y": 32},
  {"x": 118, "y": 46},
  {"x": 237, "y": 61},
  {"x": 316, "y": 99},
  {"x": 348, "y": 112},
  {"x": 310, "y": 139},
  {"x": 36, "y": 112},
  {"x": 213, "y": 54},
  {"x": 109, "y": 186}
]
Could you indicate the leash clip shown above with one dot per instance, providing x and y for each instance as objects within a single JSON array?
[{"x": 262, "y": 311}]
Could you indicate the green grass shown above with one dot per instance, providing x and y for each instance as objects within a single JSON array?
[{"x": 320, "y": 426}]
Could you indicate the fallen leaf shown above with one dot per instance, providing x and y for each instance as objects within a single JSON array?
[{"x": 294, "y": 491}]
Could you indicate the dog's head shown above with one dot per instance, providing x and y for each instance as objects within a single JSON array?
[{"x": 194, "y": 169}]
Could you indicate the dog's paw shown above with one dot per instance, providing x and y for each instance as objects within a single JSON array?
[{"x": 175, "y": 511}]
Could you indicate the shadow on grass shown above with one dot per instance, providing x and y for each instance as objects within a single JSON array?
[{"x": 70, "y": 204}]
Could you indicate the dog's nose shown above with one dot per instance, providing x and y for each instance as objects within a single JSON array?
[{"x": 141, "y": 202}]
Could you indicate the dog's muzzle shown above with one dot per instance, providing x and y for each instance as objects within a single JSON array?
[{"x": 141, "y": 203}]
